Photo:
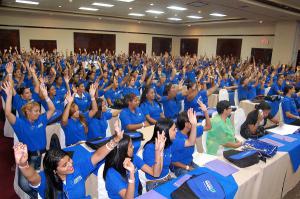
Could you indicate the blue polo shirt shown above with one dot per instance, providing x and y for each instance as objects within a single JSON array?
[
  {"x": 113, "y": 94},
  {"x": 251, "y": 92},
  {"x": 289, "y": 105},
  {"x": 98, "y": 126},
  {"x": 151, "y": 109},
  {"x": 74, "y": 130},
  {"x": 242, "y": 92},
  {"x": 275, "y": 88},
  {"x": 127, "y": 117},
  {"x": 83, "y": 102},
  {"x": 115, "y": 182},
  {"x": 74, "y": 186},
  {"x": 172, "y": 106},
  {"x": 149, "y": 156},
  {"x": 202, "y": 96},
  {"x": 129, "y": 90},
  {"x": 61, "y": 91},
  {"x": 58, "y": 102},
  {"x": 184, "y": 155},
  {"x": 160, "y": 89},
  {"x": 32, "y": 134}
]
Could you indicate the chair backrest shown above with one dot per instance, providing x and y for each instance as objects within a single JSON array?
[
  {"x": 223, "y": 95},
  {"x": 236, "y": 98},
  {"x": 280, "y": 113},
  {"x": 204, "y": 137},
  {"x": 267, "y": 90},
  {"x": 239, "y": 119},
  {"x": 102, "y": 193}
]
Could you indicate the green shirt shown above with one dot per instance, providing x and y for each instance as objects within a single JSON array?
[{"x": 220, "y": 134}]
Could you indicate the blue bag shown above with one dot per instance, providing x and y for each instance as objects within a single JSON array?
[
  {"x": 204, "y": 186},
  {"x": 266, "y": 149}
]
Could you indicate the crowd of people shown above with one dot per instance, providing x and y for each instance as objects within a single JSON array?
[{"x": 83, "y": 90}]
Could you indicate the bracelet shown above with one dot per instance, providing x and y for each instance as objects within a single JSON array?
[
  {"x": 93, "y": 99},
  {"x": 130, "y": 181},
  {"x": 48, "y": 99},
  {"x": 108, "y": 147},
  {"x": 187, "y": 167},
  {"x": 24, "y": 167}
]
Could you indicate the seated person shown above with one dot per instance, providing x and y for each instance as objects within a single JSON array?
[
  {"x": 114, "y": 93},
  {"x": 132, "y": 117},
  {"x": 82, "y": 98},
  {"x": 182, "y": 159},
  {"x": 99, "y": 123},
  {"x": 222, "y": 131},
  {"x": 277, "y": 87},
  {"x": 168, "y": 127},
  {"x": 289, "y": 109},
  {"x": 74, "y": 123},
  {"x": 121, "y": 169},
  {"x": 150, "y": 106},
  {"x": 172, "y": 101},
  {"x": 253, "y": 127},
  {"x": 243, "y": 89}
]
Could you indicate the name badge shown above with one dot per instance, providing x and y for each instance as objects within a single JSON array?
[
  {"x": 40, "y": 125},
  {"x": 77, "y": 179}
]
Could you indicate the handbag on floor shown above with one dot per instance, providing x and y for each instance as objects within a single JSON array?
[{"x": 204, "y": 186}]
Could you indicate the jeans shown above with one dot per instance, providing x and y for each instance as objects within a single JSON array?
[
  {"x": 35, "y": 162},
  {"x": 180, "y": 171}
]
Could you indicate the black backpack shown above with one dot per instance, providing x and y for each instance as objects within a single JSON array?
[{"x": 243, "y": 159}]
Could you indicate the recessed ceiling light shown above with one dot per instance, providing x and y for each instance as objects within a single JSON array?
[
  {"x": 189, "y": 25},
  {"x": 194, "y": 17},
  {"x": 176, "y": 8},
  {"x": 136, "y": 14},
  {"x": 174, "y": 19},
  {"x": 130, "y": 8},
  {"x": 156, "y": 17},
  {"x": 151, "y": 4},
  {"x": 139, "y": 22},
  {"x": 155, "y": 11},
  {"x": 27, "y": 2},
  {"x": 217, "y": 14},
  {"x": 89, "y": 9},
  {"x": 103, "y": 4},
  {"x": 175, "y": 15},
  {"x": 59, "y": 6},
  {"x": 126, "y": 0},
  {"x": 199, "y": 11},
  {"x": 99, "y": 18},
  {"x": 261, "y": 21}
]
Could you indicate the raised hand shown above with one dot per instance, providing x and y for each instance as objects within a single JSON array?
[
  {"x": 21, "y": 154},
  {"x": 118, "y": 131},
  {"x": 74, "y": 89},
  {"x": 92, "y": 90},
  {"x": 67, "y": 78},
  {"x": 192, "y": 116},
  {"x": 160, "y": 142},
  {"x": 128, "y": 165},
  {"x": 6, "y": 86},
  {"x": 43, "y": 90},
  {"x": 202, "y": 106},
  {"x": 69, "y": 97},
  {"x": 9, "y": 68}
]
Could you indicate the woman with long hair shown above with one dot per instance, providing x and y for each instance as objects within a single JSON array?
[
  {"x": 62, "y": 178},
  {"x": 74, "y": 123},
  {"x": 122, "y": 165},
  {"x": 150, "y": 106},
  {"x": 168, "y": 127},
  {"x": 253, "y": 127}
]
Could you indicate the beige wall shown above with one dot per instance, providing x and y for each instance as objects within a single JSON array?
[
  {"x": 69, "y": 25},
  {"x": 127, "y": 32}
]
